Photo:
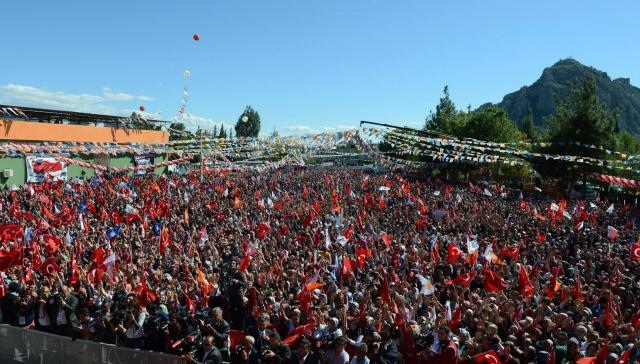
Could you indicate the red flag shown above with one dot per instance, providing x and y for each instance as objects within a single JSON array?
[
  {"x": 346, "y": 266},
  {"x": 49, "y": 266},
  {"x": 456, "y": 318},
  {"x": 10, "y": 232},
  {"x": 244, "y": 263},
  {"x": 493, "y": 282},
  {"x": 511, "y": 252},
  {"x": 165, "y": 239},
  {"x": 577, "y": 289},
  {"x": 463, "y": 279},
  {"x": 488, "y": 357},
  {"x": 554, "y": 284},
  {"x": 98, "y": 256},
  {"x": 262, "y": 230},
  {"x": 612, "y": 233},
  {"x": 453, "y": 253},
  {"x": 11, "y": 258},
  {"x": 75, "y": 274},
  {"x": 116, "y": 218},
  {"x": 540, "y": 236},
  {"x": 524, "y": 284},
  {"x": 624, "y": 358},
  {"x": 347, "y": 234},
  {"x": 601, "y": 358},
  {"x": 236, "y": 338},
  {"x": 51, "y": 243},
  {"x": 144, "y": 292},
  {"x": 384, "y": 291},
  {"x": 635, "y": 250},
  {"x": 386, "y": 239}
]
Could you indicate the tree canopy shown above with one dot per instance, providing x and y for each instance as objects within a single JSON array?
[{"x": 248, "y": 124}]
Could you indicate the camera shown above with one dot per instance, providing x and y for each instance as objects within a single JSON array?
[{"x": 425, "y": 341}]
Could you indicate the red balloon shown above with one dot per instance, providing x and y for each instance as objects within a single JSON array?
[
  {"x": 196, "y": 37},
  {"x": 141, "y": 107}
]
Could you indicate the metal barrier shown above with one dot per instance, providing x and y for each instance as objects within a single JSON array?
[{"x": 19, "y": 345}]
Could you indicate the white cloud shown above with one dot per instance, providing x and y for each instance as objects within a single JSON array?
[
  {"x": 305, "y": 129},
  {"x": 193, "y": 122},
  {"x": 22, "y": 95},
  {"x": 109, "y": 95}
]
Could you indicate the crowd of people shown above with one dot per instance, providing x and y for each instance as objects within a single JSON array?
[{"x": 306, "y": 265}]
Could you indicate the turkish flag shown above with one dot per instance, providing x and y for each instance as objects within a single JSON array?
[
  {"x": 463, "y": 279},
  {"x": 453, "y": 253},
  {"x": 635, "y": 251},
  {"x": 10, "y": 259},
  {"x": 493, "y": 282},
  {"x": 488, "y": 357},
  {"x": 524, "y": 284},
  {"x": 49, "y": 266}
]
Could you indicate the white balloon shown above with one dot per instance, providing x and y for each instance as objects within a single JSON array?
[
  {"x": 186, "y": 74},
  {"x": 245, "y": 118},
  {"x": 186, "y": 94}
]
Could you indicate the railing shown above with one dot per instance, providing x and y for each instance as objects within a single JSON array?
[{"x": 19, "y": 345}]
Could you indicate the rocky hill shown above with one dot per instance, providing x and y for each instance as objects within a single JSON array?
[{"x": 555, "y": 80}]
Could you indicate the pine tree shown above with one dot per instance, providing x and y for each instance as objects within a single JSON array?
[
  {"x": 223, "y": 133},
  {"x": 248, "y": 124},
  {"x": 527, "y": 126}
]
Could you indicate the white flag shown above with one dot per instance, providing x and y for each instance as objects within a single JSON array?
[
  {"x": 554, "y": 207},
  {"x": 427, "y": 288},
  {"x": 566, "y": 215},
  {"x": 487, "y": 192},
  {"x": 610, "y": 209},
  {"x": 472, "y": 245}
]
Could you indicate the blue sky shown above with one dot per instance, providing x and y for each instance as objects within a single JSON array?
[{"x": 304, "y": 65}]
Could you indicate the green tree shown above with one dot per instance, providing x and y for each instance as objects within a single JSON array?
[
  {"x": 491, "y": 124},
  {"x": 222, "y": 133},
  {"x": 248, "y": 124},
  {"x": 580, "y": 119},
  {"x": 177, "y": 131},
  {"x": 444, "y": 119},
  {"x": 274, "y": 133},
  {"x": 230, "y": 133},
  {"x": 528, "y": 128},
  {"x": 215, "y": 131}
]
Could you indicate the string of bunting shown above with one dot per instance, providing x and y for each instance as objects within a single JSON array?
[
  {"x": 100, "y": 167},
  {"x": 617, "y": 180}
]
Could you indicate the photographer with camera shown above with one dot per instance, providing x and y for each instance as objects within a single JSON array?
[
  {"x": 277, "y": 351},
  {"x": 134, "y": 322},
  {"x": 208, "y": 353},
  {"x": 64, "y": 309},
  {"x": 218, "y": 328},
  {"x": 245, "y": 353}
]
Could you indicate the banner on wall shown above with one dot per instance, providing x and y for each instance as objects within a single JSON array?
[
  {"x": 142, "y": 160},
  {"x": 42, "y": 168}
]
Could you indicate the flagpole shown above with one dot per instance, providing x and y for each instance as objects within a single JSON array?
[{"x": 201, "y": 158}]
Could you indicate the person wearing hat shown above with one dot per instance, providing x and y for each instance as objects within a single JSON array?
[{"x": 304, "y": 355}]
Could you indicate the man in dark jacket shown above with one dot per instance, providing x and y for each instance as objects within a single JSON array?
[
  {"x": 219, "y": 329},
  {"x": 10, "y": 303},
  {"x": 278, "y": 351},
  {"x": 208, "y": 354},
  {"x": 304, "y": 355}
]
